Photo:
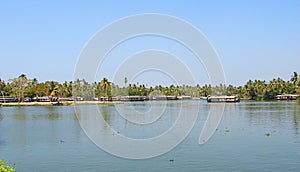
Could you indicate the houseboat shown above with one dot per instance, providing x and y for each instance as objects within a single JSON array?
[
  {"x": 222, "y": 99},
  {"x": 7, "y": 99},
  {"x": 286, "y": 97}
]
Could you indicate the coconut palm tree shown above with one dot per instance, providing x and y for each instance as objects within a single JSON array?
[
  {"x": 294, "y": 78},
  {"x": 55, "y": 92},
  {"x": 105, "y": 86},
  {"x": 125, "y": 81},
  {"x": 2, "y": 84},
  {"x": 30, "y": 90}
]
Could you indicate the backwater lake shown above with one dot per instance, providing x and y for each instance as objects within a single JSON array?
[{"x": 252, "y": 136}]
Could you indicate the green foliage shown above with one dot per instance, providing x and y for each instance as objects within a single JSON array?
[
  {"x": 253, "y": 90},
  {"x": 5, "y": 168},
  {"x": 105, "y": 86},
  {"x": 18, "y": 86}
]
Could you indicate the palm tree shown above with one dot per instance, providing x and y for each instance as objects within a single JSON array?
[
  {"x": 105, "y": 85},
  {"x": 125, "y": 80},
  {"x": 294, "y": 78},
  {"x": 30, "y": 90},
  {"x": 23, "y": 83},
  {"x": 18, "y": 86},
  {"x": 2, "y": 84},
  {"x": 55, "y": 92}
]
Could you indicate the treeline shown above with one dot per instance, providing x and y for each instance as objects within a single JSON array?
[{"x": 22, "y": 87}]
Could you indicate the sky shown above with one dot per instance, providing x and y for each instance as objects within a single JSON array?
[{"x": 254, "y": 39}]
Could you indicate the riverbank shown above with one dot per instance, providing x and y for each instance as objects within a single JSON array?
[
  {"x": 64, "y": 103},
  {"x": 72, "y": 103}
]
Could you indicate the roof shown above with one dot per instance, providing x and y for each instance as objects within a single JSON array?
[{"x": 292, "y": 95}]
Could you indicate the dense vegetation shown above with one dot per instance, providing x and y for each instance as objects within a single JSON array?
[
  {"x": 5, "y": 168},
  {"x": 22, "y": 87}
]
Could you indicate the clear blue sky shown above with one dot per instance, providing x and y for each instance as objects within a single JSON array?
[{"x": 255, "y": 39}]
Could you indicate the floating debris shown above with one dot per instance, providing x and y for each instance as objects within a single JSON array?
[
  {"x": 268, "y": 134},
  {"x": 171, "y": 160},
  {"x": 227, "y": 131}
]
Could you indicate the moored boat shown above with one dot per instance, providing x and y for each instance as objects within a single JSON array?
[{"x": 223, "y": 99}]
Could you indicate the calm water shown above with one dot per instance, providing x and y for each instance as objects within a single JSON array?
[{"x": 51, "y": 139}]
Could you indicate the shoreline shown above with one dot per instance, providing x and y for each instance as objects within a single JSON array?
[
  {"x": 64, "y": 103},
  {"x": 72, "y": 103}
]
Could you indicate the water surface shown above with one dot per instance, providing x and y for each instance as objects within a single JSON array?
[{"x": 252, "y": 136}]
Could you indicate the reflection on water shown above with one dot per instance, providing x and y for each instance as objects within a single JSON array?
[
  {"x": 105, "y": 113},
  {"x": 2, "y": 142},
  {"x": 20, "y": 113},
  {"x": 296, "y": 117},
  {"x": 37, "y": 113},
  {"x": 273, "y": 116},
  {"x": 272, "y": 113},
  {"x": 54, "y": 141}
]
